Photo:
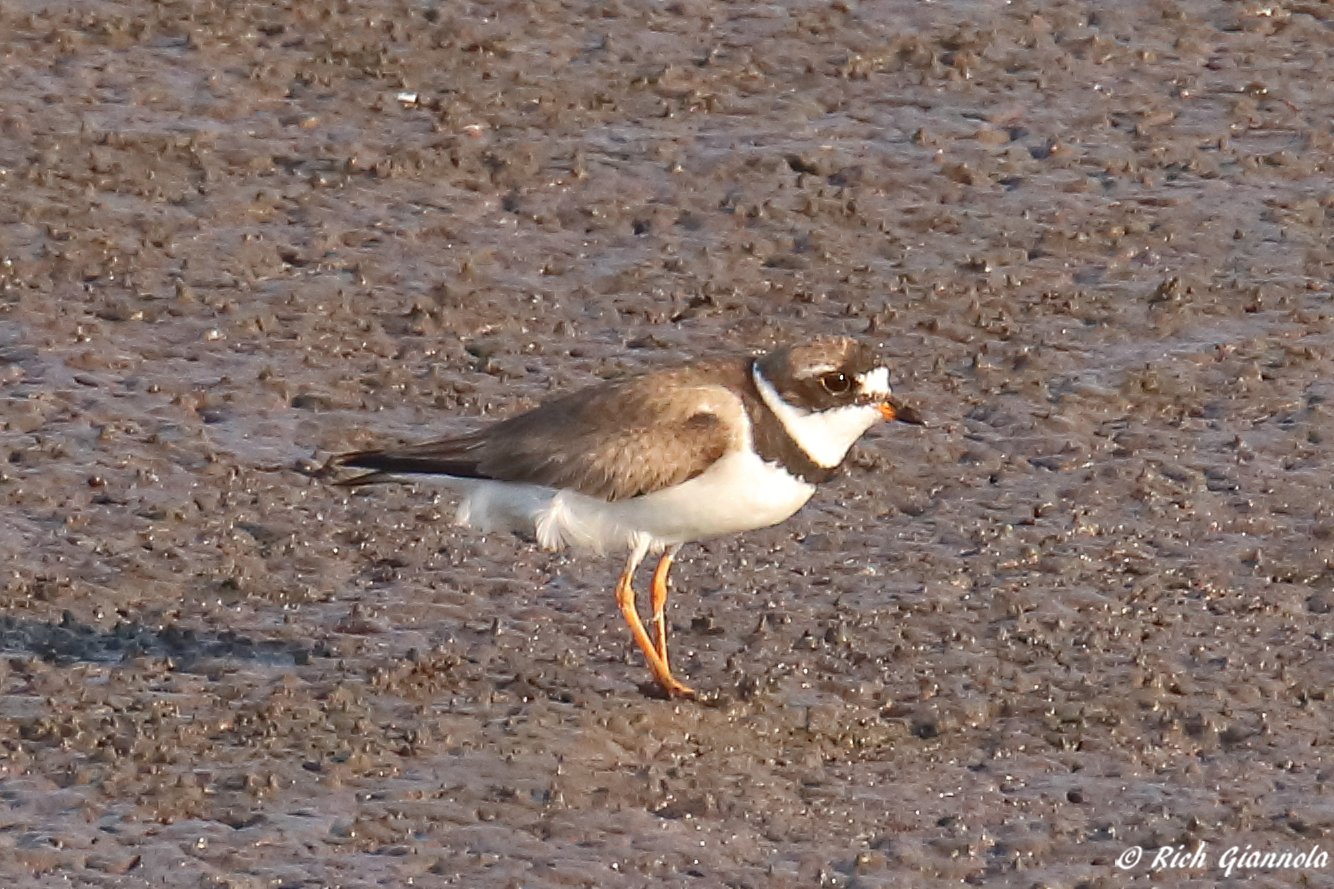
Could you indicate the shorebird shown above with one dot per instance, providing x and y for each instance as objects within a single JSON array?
[{"x": 651, "y": 462}]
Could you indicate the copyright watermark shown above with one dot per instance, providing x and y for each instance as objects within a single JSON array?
[{"x": 1232, "y": 860}]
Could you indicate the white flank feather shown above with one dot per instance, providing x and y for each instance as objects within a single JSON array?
[{"x": 740, "y": 492}]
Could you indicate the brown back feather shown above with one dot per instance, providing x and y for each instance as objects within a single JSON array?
[{"x": 613, "y": 441}]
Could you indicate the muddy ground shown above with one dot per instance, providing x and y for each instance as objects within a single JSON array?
[{"x": 1087, "y": 608}]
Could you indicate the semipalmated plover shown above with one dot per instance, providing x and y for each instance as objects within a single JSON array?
[{"x": 651, "y": 462}]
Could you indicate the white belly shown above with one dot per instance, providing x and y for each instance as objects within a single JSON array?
[{"x": 738, "y": 493}]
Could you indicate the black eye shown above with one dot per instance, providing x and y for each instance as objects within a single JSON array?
[{"x": 836, "y": 383}]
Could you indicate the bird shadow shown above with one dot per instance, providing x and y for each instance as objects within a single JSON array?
[{"x": 68, "y": 641}]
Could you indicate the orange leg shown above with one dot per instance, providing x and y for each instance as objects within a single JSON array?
[
  {"x": 625, "y": 598},
  {"x": 658, "y": 598}
]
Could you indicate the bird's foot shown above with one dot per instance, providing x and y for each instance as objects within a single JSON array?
[{"x": 672, "y": 689}]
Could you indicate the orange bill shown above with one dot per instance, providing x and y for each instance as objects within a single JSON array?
[{"x": 901, "y": 412}]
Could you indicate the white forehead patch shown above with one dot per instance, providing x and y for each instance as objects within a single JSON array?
[
  {"x": 875, "y": 382},
  {"x": 824, "y": 436}
]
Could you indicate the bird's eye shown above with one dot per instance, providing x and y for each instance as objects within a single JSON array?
[{"x": 836, "y": 383}]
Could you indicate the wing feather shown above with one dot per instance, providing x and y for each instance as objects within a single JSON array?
[{"x": 613, "y": 441}]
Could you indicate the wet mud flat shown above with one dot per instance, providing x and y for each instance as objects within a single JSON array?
[{"x": 1088, "y": 608}]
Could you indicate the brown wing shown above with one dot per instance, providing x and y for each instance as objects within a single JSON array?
[{"x": 613, "y": 441}]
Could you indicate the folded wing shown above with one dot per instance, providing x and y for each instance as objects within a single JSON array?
[{"x": 613, "y": 441}]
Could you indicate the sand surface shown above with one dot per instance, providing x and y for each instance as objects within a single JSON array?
[{"x": 1089, "y": 607}]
